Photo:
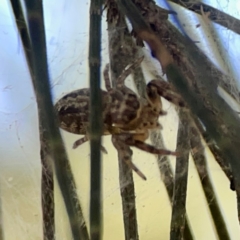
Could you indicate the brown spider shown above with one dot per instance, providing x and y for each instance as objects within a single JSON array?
[{"x": 125, "y": 116}]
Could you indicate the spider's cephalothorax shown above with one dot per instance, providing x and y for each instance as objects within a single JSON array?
[{"x": 126, "y": 116}]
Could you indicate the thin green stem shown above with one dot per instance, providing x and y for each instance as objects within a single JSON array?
[{"x": 96, "y": 124}]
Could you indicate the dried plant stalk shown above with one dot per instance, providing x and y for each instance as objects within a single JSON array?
[
  {"x": 120, "y": 52},
  {"x": 223, "y": 163},
  {"x": 168, "y": 179},
  {"x": 201, "y": 165},
  {"x": 181, "y": 177},
  {"x": 214, "y": 15}
]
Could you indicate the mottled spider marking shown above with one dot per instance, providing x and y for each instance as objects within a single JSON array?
[
  {"x": 152, "y": 107},
  {"x": 125, "y": 107},
  {"x": 120, "y": 106},
  {"x": 128, "y": 110},
  {"x": 73, "y": 110}
]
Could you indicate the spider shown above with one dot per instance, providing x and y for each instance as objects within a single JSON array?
[{"x": 126, "y": 117}]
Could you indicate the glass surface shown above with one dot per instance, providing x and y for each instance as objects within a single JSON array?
[{"x": 67, "y": 26}]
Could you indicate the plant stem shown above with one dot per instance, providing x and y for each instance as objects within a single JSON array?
[
  {"x": 181, "y": 177},
  {"x": 96, "y": 125},
  {"x": 201, "y": 165},
  {"x": 120, "y": 55},
  {"x": 48, "y": 120},
  {"x": 47, "y": 184},
  {"x": 215, "y": 15}
]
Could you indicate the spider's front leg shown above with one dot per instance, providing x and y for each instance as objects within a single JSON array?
[
  {"x": 117, "y": 93},
  {"x": 165, "y": 90},
  {"x": 113, "y": 92}
]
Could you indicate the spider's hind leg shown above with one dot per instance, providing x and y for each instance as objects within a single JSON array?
[
  {"x": 135, "y": 140},
  {"x": 125, "y": 154}
]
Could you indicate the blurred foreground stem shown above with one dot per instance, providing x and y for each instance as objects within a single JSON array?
[
  {"x": 47, "y": 184},
  {"x": 40, "y": 79},
  {"x": 96, "y": 124}
]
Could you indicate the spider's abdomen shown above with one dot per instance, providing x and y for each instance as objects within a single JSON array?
[{"x": 73, "y": 110}]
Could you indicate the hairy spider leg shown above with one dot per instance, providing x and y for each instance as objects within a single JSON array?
[
  {"x": 165, "y": 90},
  {"x": 136, "y": 140},
  {"x": 127, "y": 72},
  {"x": 109, "y": 130},
  {"x": 113, "y": 92},
  {"x": 125, "y": 154},
  {"x": 149, "y": 148},
  {"x": 80, "y": 141},
  {"x": 83, "y": 140},
  {"x": 107, "y": 78}
]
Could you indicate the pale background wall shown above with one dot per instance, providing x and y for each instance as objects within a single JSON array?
[{"x": 67, "y": 39}]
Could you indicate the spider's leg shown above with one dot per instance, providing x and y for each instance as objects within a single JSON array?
[
  {"x": 103, "y": 149},
  {"x": 139, "y": 135},
  {"x": 107, "y": 78},
  {"x": 165, "y": 90},
  {"x": 80, "y": 141},
  {"x": 83, "y": 140},
  {"x": 126, "y": 72},
  {"x": 133, "y": 140},
  {"x": 128, "y": 160},
  {"x": 113, "y": 130},
  {"x": 113, "y": 92},
  {"x": 162, "y": 113},
  {"x": 116, "y": 94},
  {"x": 125, "y": 154}
]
